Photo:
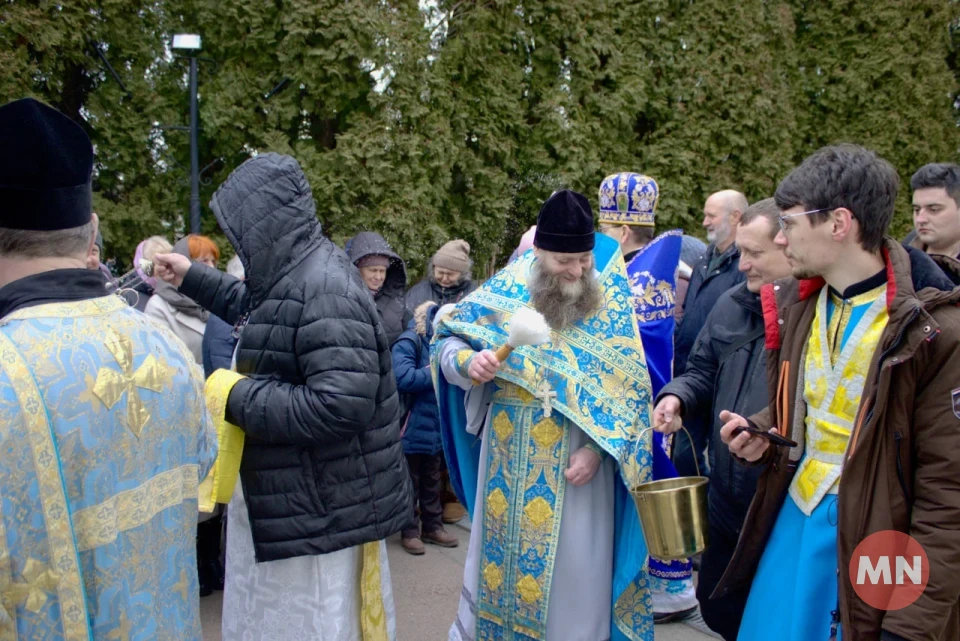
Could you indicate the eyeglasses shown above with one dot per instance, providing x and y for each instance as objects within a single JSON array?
[{"x": 782, "y": 219}]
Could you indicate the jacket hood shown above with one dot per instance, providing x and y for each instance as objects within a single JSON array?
[
  {"x": 949, "y": 265},
  {"x": 266, "y": 210},
  {"x": 368, "y": 243},
  {"x": 423, "y": 317}
]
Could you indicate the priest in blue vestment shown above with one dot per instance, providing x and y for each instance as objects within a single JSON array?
[
  {"x": 543, "y": 447},
  {"x": 104, "y": 432}
]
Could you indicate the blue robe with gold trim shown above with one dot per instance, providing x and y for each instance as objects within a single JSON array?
[
  {"x": 104, "y": 438},
  {"x": 653, "y": 279},
  {"x": 598, "y": 372}
]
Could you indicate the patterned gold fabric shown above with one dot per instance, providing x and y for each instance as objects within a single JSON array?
[
  {"x": 838, "y": 359},
  {"x": 598, "y": 373},
  {"x": 104, "y": 439}
]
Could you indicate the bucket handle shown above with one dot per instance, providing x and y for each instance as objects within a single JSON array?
[{"x": 693, "y": 446}]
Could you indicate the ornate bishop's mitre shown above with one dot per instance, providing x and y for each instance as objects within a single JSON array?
[{"x": 628, "y": 198}]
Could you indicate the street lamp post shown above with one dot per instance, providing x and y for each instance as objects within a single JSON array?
[{"x": 191, "y": 44}]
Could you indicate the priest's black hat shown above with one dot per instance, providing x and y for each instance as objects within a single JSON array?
[
  {"x": 565, "y": 224},
  {"x": 46, "y": 161}
]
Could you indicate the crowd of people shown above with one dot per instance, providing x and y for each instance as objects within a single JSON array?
[{"x": 367, "y": 406}]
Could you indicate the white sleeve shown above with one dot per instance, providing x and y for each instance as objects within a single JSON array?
[
  {"x": 448, "y": 362},
  {"x": 477, "y": 400}
]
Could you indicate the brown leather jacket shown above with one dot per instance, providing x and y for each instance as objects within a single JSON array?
[{"x": 902, "y": 467}]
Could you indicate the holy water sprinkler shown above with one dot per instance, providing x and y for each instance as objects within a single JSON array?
[{"x": 527, "y": 327}]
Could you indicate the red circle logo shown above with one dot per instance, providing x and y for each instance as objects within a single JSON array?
[{"x": 889, "y": 570}]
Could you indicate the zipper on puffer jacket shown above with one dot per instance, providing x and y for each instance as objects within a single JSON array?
[{"x": 903, "y": 483}]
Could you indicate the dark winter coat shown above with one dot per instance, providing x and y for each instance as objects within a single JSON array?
[
  {"x": 702, "y": 294},
  {"x": 949, "y": 264},
  {"x": 427, "y": 289},
  {"x": 322, "y": 466},
  {"x": 726, "y": 371},
  {"x": 411, "y": 366},
  {"x": 390, "y": 299},
  {"x": 900, "y": 469},
  {"x": 138, "y": 296},
  {"x": 217, "y": 346}
]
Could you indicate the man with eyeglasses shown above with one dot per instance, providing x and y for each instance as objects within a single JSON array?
[{"x": 863, "y": 361}]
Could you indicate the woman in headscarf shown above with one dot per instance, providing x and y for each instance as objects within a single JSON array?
[{"x": 138, "y": 295}]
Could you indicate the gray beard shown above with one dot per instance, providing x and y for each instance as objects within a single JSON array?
[{"x": 563, "y": 304}]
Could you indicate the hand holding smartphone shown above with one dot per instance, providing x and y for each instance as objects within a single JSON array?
[{"x": 753, "y": 430}]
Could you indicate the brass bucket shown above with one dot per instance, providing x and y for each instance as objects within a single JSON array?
[{"x": 673, "y": 513}]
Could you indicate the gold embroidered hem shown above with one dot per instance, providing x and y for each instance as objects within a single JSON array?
[
  {"x": 101, "y": 524},
  {"x": 60, "y": 573},
  {"x": 373, "y": 617},
  {"x": 219, "y": 484}
]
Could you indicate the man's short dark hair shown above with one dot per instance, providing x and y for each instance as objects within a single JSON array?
[
  {"x": 766, "y": 208},
  {"x": 938, "y": 174},
  {"x": 847, "y": 176},
  {"x": 642, "y": 234}
]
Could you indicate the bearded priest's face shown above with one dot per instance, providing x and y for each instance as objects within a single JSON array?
[{"x": 564, "y": 287}]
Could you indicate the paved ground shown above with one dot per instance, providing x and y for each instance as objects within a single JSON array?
[{"x": 426, "y": 590}]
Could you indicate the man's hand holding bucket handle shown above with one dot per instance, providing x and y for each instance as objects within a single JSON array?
[{"x": 743, "y": 445}]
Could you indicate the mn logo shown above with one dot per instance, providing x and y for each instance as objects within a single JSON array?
[{"x": 889, "y": 570}]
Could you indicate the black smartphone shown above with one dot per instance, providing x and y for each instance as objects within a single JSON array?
[{"x": 753, "y": 430}]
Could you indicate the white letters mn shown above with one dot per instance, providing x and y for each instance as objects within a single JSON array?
[{"x": 881, "y": 571}]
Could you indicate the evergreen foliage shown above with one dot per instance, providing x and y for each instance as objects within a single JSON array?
[{"x": 438, "y": 119}]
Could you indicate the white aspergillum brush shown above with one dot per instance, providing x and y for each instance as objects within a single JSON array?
[{"x": 527, "y": 327}]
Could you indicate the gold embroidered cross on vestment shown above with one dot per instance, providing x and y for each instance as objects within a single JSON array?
[
  {"x": 39, "y": 581},
  {"x": 111, "y": 384}
]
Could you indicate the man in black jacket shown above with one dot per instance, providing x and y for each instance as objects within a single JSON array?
[
  {"x": 713, "y": 274},
  {"x": 322, "y": 475},
  {"x": 727, "y": 368}
]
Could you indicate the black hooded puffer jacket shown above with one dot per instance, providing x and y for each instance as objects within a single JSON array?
[
  {"x": 390, "y": 299},
  {"x": 322, "y": 466}
]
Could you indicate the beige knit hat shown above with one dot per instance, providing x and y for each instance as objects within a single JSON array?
[{"x": 454, "y": 256}]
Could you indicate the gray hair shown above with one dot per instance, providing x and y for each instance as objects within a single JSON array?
[
  {"x": 766, "y": 208},
  {"x": 60, "y": 243},
  {"x": 732, "y": 200},
  {"x": 235, "y": 267}
]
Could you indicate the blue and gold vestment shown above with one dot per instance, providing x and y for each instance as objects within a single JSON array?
[
  {"x": 597, "y": 370},
  {"x": 104, "y": 438}
]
